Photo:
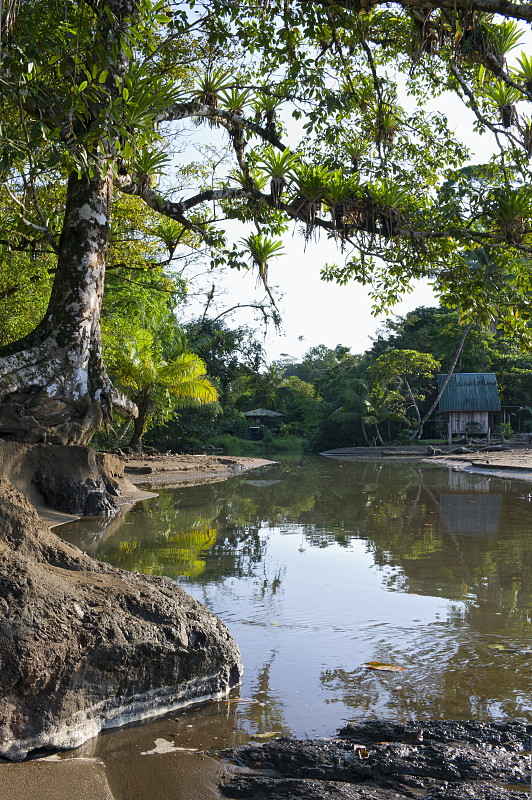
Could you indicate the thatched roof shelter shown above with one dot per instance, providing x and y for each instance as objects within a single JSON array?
[{"x": 258, "y": 413}]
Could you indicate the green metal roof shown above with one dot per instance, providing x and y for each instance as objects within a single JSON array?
[{"x": 470, "y": 391}]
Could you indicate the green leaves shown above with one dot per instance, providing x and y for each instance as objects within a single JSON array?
[
  {"x": 150, "y": 163},
  {"x": 209, "y": 84},
  {"x": 157, "y": 385},
  {"x": 504, "y": 97},
  {"x": 277, "y": 164},
  {"x": 262, "y": 249},
  {"x": 399, "y": 366}
]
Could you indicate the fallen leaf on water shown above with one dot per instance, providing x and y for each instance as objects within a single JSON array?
[
  {"x": 274, "y": 623},
  {"x": 383, "y": 667},
  {"x": 267, "y": 735}
]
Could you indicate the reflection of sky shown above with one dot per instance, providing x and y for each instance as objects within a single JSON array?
[{"x": 331, "y": 612}]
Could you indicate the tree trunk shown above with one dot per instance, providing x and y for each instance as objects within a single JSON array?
[
  {"x": 364, "y": 433},
  {"x": 53, "y": 384},
  {"x": 139, "y": 429},
  {"x": 419, "y": 429},
  {"x": 416, "y": 408}
]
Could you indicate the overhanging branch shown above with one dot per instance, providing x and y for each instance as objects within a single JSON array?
[
  {"x": 513, "y": 10},
  {"x": 220, "y": 115}
]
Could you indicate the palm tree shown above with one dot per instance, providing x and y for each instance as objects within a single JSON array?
[
  {"x": 369, "y": 407},
  {"x": 158, "y": 387}
]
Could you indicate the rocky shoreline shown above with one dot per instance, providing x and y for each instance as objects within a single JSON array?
[
  {"x": 377, "y": 760},
  {"x": 66, "y": 482},
  {"x": 511, "y": 460},
  {"x": 85, "y": 646},
  {"x": 508, "y": 462}
]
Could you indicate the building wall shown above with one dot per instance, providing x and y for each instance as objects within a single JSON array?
[{"x": 459, "y": 420}]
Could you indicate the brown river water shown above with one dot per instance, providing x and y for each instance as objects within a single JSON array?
[{"x": 319, "y": 566}]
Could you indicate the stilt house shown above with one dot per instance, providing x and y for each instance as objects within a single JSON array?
[{"x": 470, "y": 402}]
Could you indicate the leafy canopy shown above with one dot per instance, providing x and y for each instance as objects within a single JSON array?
[{"x": 338, "y": 91}]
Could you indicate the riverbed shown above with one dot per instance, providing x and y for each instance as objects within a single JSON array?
[{"x": 320, "y": 568}]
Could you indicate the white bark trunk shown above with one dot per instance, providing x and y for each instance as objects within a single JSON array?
[{"x": 53, "y": 384}]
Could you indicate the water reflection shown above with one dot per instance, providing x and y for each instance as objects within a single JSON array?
[{"x": 318, "y": 566}]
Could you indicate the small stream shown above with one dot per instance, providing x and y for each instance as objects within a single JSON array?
[{"x": 319, "y": 566}]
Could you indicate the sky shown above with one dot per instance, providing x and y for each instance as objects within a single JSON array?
[{"x": 320, "y": 312}]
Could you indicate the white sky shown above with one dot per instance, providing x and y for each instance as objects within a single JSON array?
[{"x": 323, "y": 313}]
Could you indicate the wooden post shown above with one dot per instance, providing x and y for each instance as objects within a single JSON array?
[
  {"x": 488, "y": 436},
  {"x": 449, "y": 433}
]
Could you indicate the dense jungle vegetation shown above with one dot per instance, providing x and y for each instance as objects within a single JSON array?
[{"x": 136, "y": 134}]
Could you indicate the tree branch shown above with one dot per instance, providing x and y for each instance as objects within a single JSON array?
[
  {"x": 223, "y": 117},
  {"x": 506, "y": 9},
  {"x": 39, "y": 228}
]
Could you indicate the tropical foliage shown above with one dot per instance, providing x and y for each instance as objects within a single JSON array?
[{"x": 157, "y": 386}]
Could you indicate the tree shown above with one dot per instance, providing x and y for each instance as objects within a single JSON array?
[
  {"x": 159, "y": 387},
  {"x": 318, "y": 361},
  {"x": 263, "y": 388},
  {"x": 400, "y": 369},
  {"x": 440, "y": 332},
  {"x": 230, "y": 354},
  {"x": 434, "y": 330},
  {"x": 90, "y": 98},
  {"x": 369, "y": 406}
]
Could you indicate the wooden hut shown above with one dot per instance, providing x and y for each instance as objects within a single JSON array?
[{"x": 469, "y": 402}]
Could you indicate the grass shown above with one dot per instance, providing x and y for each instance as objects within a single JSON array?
[{"x": 233, "y": 446}]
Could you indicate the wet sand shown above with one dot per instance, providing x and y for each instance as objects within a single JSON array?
[
  {"x": 513, "y": 463},
  {"x": 74, "y": 779},
  {"x": 176, "y": 470}
]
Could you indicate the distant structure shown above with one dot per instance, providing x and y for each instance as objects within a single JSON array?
[
  {"x": 258, "y": 418},
  {"x": 262, "y": 413},
  {"x": 469, "y": 403}
]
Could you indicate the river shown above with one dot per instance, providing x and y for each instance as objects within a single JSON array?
[{"x": 318, "y": 567}]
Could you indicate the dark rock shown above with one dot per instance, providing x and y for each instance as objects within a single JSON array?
[
  {"x": 461, "y": 451},
  {"x": 62, "y": 493},
  {"x": 85, "y": 646},
  {"x": 451, "y": 760},
  {"x": 75, "y": 480},
  {"x": 494, "y": 448},
  {"x": 293, "y": 789}
]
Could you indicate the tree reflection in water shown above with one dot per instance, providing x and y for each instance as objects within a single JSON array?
[{"x": 460, "y": 540}]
